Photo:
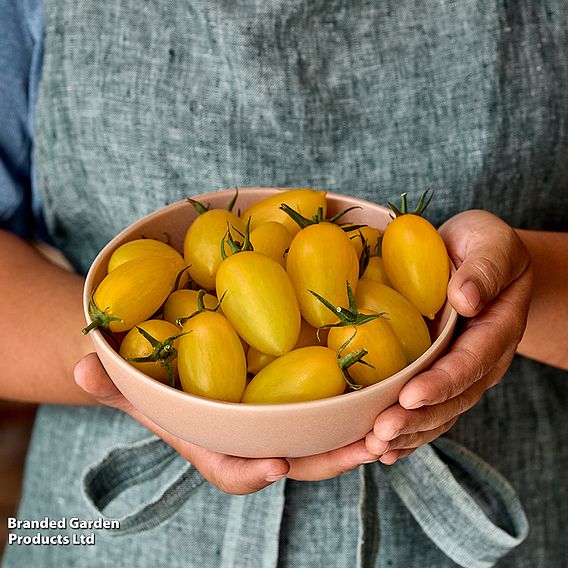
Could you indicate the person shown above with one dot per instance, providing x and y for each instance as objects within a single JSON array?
[{"x": 142, "y": 104}]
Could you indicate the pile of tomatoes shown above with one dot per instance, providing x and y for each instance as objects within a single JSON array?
[{"x": 276, "y": 304}]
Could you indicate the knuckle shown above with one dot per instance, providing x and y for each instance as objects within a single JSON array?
[{"x": 489, "y": 276}]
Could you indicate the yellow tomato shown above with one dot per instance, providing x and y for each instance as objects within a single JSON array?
[
  {"x": 321, "y": 258},
  {"x": 259, "y": 301},
  {"x": 256, "y": 360},
  {"x": 271, "y": 239},
  {"x": 131, "y": 293},
  {"x": 309, "y": 373},
  {"x": 135, "y": 345},
  {"x": 304, "y": 201},
  {"x": 376, "y": 271},
  {"x": 183, "y": 303},
  {"x": 416, "y": 262},
  {"x": 370, "y": 234},
  {"x": 403, "y": 317},
  {"x": 385, "y": 352},
  {"x": 211, "y": 360},
  {"x": 202, "y": 244}
]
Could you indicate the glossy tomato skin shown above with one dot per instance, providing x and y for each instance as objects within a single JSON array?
[
  {"x": 144, "y": 247},
  {"x": 136, "y": 345},
  {"x": 370, "y": 234},
  {"x": 309, "y": 373},
  {"x": 304, "y": 201},
  {"x": 256, "y": 360},
  {"x": 202, "y": 244},
  {"x": 271, "y": 239},
  {"x": 417, "y": 262},
  {"x": 376, "y": 271},
  {"x": 183, "y": 303},
  {"x": 211, "y": 360},
  {"x": 322, "y": 258},
  {"x": 259, "y": 301},
  {"x": 385, "y": 351},
  {"x": 404, "y": 318},
  {"x": 135, "y": 290}
]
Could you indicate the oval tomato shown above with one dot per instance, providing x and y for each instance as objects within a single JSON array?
[
  {"x": 384, "y": 350},
  {"x": 271, "y": 239},
  {"x": 367, "y": 233},
  {"x": 376, "y": 271},
  {"x": 131, "y": 293},
  {"x": 259, "y": 300},
  {"x": 322, "y": 258},
  {"x": 305, "y": 201},
  {"x": 256, "y": 360},
  {"x": 416, "y": 262},
  {"x": 211, "y": 360},
  {"x": 403, "y": 317},
  {"x": 202, "y": 244},
  {"x": 309, "y": 373},
  {"x": 144, "y": 247},
  {"x": 183, "y": 303},
  {"x": 135, "y": 345}
]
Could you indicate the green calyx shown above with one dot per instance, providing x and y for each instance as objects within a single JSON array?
[
  {"x": 349, "y": 360},
  {"x": 304, "y": 222},
  {"x": 420, "y": 208},
  {"x": 347, "y": 316},
  {"x": 163, "y": 352},
  {"x": 98, "y": 317},
  {"x": 235, "y": 246},
  {"x": 179, "y": 276},
  {"x": 365, "y": 253},
  {"x": 201, "y": 307},
  {"x": 200, "y": 208}
]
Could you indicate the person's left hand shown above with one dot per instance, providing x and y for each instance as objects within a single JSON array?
[{"x": 491, "y": 287}]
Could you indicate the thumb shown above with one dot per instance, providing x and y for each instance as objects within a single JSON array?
[{"x": 488, "y": 255}]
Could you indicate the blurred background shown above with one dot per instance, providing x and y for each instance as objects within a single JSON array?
[{"x": 16, "y": 421}]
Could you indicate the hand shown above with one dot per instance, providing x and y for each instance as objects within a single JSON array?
[
  {"x": 492, "y": 287},
  {"x": 230, "y": 474}
]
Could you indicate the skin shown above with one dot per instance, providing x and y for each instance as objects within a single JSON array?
[{"x": 490, "y": 255}]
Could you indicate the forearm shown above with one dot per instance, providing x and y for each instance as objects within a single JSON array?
[
  {"x": 547, "y": 327},
  {"x": 40, "y": 327}
]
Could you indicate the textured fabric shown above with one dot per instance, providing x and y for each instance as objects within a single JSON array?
[
  {"x": 144, "y": 103},
  {"x": 21, "y": 45}
]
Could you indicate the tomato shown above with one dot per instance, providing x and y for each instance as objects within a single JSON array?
[
  {"x": 183, "y": 303},
  {"x": 271, "y": 239},
  {"x": 135, "y": 346},
  {"x": 258, "y": 299},
  {"x": 309, "y": 373},
  {"x": 321, "y": 258},
  {"x": 202, "y": 244},
  {"x": 385, "y": 352},
  {"x": 257, "y": 360},
  {"x": 305, "y": 201},
  {"x": 131, "y": 293},
  {"x": 211, "y": 360},
  {"x": 416, "y": 262},
  {"x": 403, "y": 317},
  {"x": 376, "y": 271},
  {"x": 367, "y": 233}
]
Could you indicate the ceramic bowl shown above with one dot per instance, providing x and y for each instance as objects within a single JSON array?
[{"x": 284, "y": 430}]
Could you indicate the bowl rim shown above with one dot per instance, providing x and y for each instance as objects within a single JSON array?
[{"x": 100, "y": 342}]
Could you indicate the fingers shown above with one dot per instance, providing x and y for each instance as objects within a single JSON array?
[
  {"x": 489, "y": 256},
  {"x": 330, "y": 464},
  {"x": 230, "y": 474}
]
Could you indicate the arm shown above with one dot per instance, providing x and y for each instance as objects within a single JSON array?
[{"x": 545, "y": 336}]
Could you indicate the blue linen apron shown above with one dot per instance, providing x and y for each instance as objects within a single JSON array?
[{"x": 146, "y": 102}]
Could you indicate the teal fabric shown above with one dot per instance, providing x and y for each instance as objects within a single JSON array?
[{"x": 145, "y": 103}]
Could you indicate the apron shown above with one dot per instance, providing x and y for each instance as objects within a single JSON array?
[{"x": 144, "y": 103}]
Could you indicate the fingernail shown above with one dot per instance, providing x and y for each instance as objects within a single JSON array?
[
  {"x": 416, "y": 404},
  {"x": 372, "y": 460},
  {"x": 471, "y": 293},
  {"x": 272, "y": 478}
]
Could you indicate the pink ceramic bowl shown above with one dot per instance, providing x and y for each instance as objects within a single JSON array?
[{"x": 285, "y": 430}]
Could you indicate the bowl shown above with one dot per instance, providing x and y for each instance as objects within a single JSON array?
[{"x": 247, "y": 430}]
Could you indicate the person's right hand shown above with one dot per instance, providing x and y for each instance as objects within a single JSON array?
[{"x": 230, "y": 474}]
